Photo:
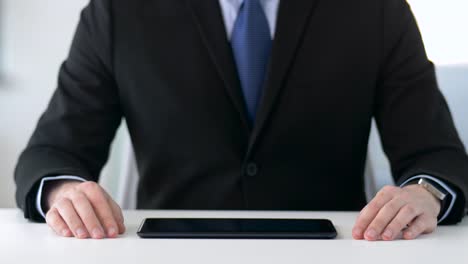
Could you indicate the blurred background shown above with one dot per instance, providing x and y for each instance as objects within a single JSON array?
[{"x": 35, "y": 38}]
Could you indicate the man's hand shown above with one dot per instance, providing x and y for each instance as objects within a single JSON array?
[
  {"x": 411, "y": 209},
  {"x": 83, "y": 210}
]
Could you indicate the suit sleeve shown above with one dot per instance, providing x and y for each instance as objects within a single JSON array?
[
  {"x": 416, "y": 127},
  {"x": 74, "y": 134}
]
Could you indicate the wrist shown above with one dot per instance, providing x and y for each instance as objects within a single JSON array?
[
  {"x": 437, "y": 202},
  {"x": 428, "y": 196}
]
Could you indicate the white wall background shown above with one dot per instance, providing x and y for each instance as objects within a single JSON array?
[
  {"x": 444, "y": 26},
  {"x": 36, "y": 36}
]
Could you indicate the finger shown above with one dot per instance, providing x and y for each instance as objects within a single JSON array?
[
  {"x": 383, "y": 218},
  {"x": 421, "y": 225},
  {"x": 404, "y": 217},
  {"x": 370, "y": 211},
  {"x": 117, "y": 211},
  {"x": 55, "y": 221},
  {"x": 71, "y": 218},
  {"x": 86, "y": 212},
  {"x": 102, "y": 208}
]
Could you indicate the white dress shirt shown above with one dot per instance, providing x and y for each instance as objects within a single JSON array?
[{"x": 230, "y": 9}]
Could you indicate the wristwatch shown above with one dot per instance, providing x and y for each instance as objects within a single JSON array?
[{"x": 439, "y": 193}]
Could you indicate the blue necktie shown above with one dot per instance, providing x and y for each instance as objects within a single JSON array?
[{"x": 251, "y": 43}]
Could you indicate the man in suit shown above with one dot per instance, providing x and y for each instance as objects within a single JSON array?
[{"x": 247, "y": 104}]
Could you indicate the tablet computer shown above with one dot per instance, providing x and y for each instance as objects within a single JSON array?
[{"x": 237, "y": 228}]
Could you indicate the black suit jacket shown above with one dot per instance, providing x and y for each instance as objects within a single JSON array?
[{"x": 167, "y": 68}]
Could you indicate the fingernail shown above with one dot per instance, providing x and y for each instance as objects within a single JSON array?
[
  {"x": 409, "y": 234},
  {"x": 371, "y": 234},
  {"x": 388, "y": 234},
  {"x": 357, "y": 231},
  {"x": 112, "y": 232},
  {"x": 65, "y": 232},
  {"x": 98, "y": 233},
  {"x": 80, "y": 233}
]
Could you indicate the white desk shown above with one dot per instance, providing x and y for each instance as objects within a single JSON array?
[{"x": 24, "y": 242}]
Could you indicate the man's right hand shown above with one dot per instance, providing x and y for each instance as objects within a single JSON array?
[{"x": 83, "y": 210}]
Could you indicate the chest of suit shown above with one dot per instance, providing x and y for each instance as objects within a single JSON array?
[{"x": 182, "y": 101}]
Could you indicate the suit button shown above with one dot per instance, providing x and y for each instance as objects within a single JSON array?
[{"x": 251, "y": 169}]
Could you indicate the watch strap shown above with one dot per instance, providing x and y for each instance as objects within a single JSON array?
[{"x": 439, "y": 193}]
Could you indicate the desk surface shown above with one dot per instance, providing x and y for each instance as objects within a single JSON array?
[{"x": 25, "y": 242}]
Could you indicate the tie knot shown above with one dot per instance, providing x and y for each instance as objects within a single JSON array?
[{"x": 252, "y": 3}]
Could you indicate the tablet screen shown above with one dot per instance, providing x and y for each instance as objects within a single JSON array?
[{"x": 180, "y": 227}]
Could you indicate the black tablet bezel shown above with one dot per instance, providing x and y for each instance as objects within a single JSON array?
[{"x": 330, "y": 233}]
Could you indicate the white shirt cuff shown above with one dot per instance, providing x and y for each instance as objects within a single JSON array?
[
  {"x": 41, "y": 186},
  {"x": 441, "y": 183}
]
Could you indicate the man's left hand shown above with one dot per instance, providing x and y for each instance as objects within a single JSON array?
[{"x": 411, "y": 209}]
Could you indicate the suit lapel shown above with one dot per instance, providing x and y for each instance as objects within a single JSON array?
[
  {"x": 208, "y": 16},
  {"x": 292, "y": 19}
]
